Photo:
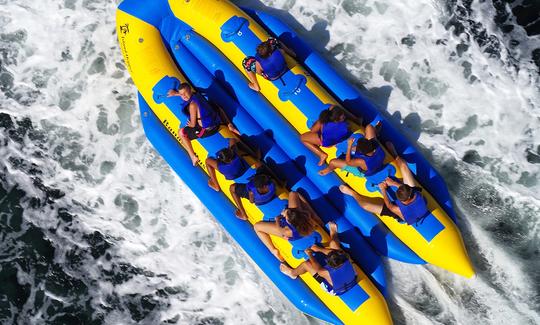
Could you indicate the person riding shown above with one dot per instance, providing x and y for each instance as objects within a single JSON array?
[
  {"x": 269, "y": 62},
  {"x": 331, "y": 128},
  {"x": 367, "y": 159},
  {"x": 410, "y": 206},
  {"x": 297, "y": 224},
  {"x": 260, "y": 189},
  {"x": 337, "y": 276},
  {"x": 203, "y": 119},
  {"x": 228, "y": 162}
]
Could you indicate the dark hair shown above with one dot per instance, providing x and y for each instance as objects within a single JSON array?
[
  {"x": 300, "y": 220},
  {"x": 225, "y": 155},
  {"x": 404, "y": 192},
  {"x": 365, "y": 146},
  {"x": 264, "y": 49},
  {"x": 261, "y": 180},
  {"x": 331, "y": 115},
  {"x": 184, "y": 85},
  {"x": 336, "y": 258}
]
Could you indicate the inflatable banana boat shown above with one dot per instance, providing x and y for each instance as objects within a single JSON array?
[
  {"x": 221, "y": 35},
  {"x": 154, "y": 72},
  {"x": 159, "y": 38}
]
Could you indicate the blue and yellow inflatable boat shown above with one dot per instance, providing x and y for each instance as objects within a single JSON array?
[{"x": 203, "y": 42}]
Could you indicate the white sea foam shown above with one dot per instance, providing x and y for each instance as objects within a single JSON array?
[{"x": 96, "y": 152}]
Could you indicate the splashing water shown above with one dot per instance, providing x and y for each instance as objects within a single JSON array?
[{"x": 96, "y": 229}]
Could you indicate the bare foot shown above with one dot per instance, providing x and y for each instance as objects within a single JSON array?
[
  {"x": 276, "y": 253},
  {"x": 240, "y": 215},
  {"x": 213, "y": 185},
  {"x": 325, "y": 171},
  {"x": 285, "y": 269},
  {"x": 322, "y": 159},
  {"x": 346, "y": 190},
  {"x": 333, "y": 227},
  {"x": 194, "y": 160},
  {"x": 252, "y": 86},
  {"x": 233, "y": 129}
]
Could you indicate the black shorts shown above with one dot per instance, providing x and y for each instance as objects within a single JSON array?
[
  {"x": 388, "y": 213},
  {"x": 197, "y": 132},
  {"x": 241, "y": 190}
]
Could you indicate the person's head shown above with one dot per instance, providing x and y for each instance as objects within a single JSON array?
[
  {"x": 336, "y": 114},
  {"x": 404, "y": 193},
  {"x": 336, "y": 258},
  {"x": 365, "y": 146},
  {"x": 225, "y": 155},
  {"x": 262, "y": 183},
  {"x": 264, "y": 50},
  {"x": 300, "y": 220},
  {"x": 185, "y": 91}
]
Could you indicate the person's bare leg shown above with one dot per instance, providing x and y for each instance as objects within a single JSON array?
[
  {"x": 332, "y": 165},
  {"x": 334, "y": 239},
  {"x": 253, "y": 84},
  {"x": 304, "y": 267},
  {"x": 293, "y": 273},
  {"x": 240, "y": 213},
  {"x": 368, "y": 204},
  {"x": 408, "y": 177},
  {"x": 370, "y": 132},
  {"x": 187, "y": 145},
  {"x": 391, "y": 149},
  {"x": 264, "y": 229},
  {"x": 211, "y": 166},
  {"x": 312, "y": 142}
]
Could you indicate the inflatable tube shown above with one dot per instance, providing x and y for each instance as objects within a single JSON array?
[
  {"x": 221, "y": 209},
  {"x": 354, "y": 101},
  {"x": 362, "y": 304},
  {"x": 420, "y": 239},
  {"x": 300, "y": 98},
  {"x": 376, "y": 233},
  {"x": 279, "y": 161}
]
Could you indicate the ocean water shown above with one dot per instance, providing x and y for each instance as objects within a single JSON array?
[{"x": 96, "y": 229}]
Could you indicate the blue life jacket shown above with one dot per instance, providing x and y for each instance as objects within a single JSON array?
[
  {"x": 343, "y": 277},
  {"x": 374, "y": 163},
  {"x": 208, "y": 115},
  {"x": 333, "y": 133},
  {"x": 258, "y": 198},
  {"x": 415, "y": 210},
  {"x": 273, "y": 66},
  {"x": 234, "y": 169}
]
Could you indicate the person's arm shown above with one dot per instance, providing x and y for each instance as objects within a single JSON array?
[
  {"x": 320, "y": 249},
  {"x": 394, "y": 208},
  {"x": 392, "y": 182},
  {"x": 316, "y": 127},
  {"x": 350, "y": 142},
  {"x": 277, "y": 45},
  {"x": 356, "y": 162},
  {"x": 313, "y": 260},
  {"x": 172, "y": 93},
  {"x": 193, "y": 112}
]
